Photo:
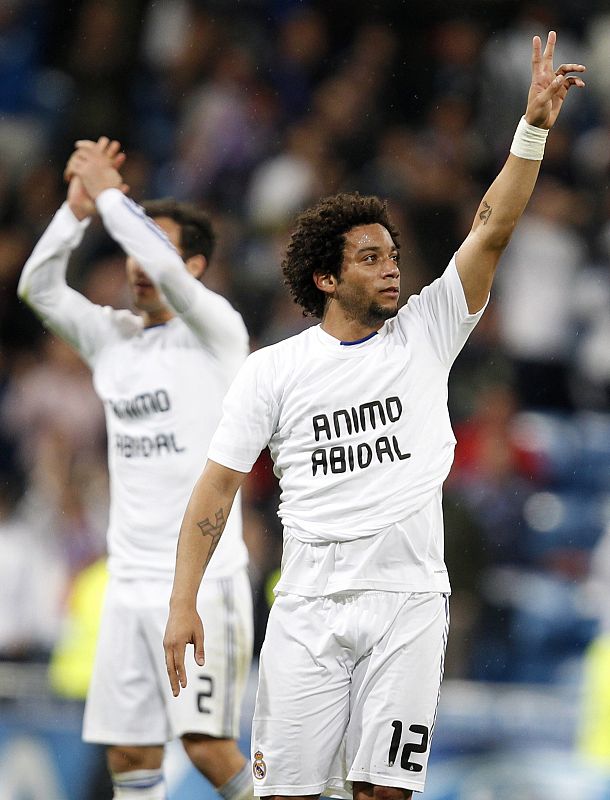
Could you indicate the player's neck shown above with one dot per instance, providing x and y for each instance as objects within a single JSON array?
[
  {"x": 346, "y": 328},
  {"x": 157, "y": 317}
]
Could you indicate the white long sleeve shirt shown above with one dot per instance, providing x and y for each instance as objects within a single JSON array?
[{"x": 162, "y": 387}]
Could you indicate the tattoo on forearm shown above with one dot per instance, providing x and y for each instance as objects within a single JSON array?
[
  {"x": 214, "y": 530},
  {"x": 485, "y": 214}
]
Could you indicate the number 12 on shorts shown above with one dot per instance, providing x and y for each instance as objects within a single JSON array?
[{"x": 409, "y": 747}]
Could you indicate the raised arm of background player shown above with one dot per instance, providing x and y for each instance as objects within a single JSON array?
[
  {"x": 82, "y": 323},
  {"x": 508, "y": 195},
  {"x": 43, "y": 281},
  {"x": 210, "y": 316}
]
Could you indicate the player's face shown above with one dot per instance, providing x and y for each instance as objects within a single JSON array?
[
  {"x": 368, "y": 287},
  {"x": 146, "y": 296}
]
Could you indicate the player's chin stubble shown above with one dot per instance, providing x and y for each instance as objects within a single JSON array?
[
  {"x": 369, "y": 315},
  {"x": 377, "y": 314}
]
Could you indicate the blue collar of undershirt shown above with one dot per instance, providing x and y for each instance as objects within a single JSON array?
[{"x": 360, "y": 341}]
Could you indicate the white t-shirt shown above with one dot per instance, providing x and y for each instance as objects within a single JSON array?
[
  {"x": 361, "y": 442},
  {"x": 162, "y": 387}
]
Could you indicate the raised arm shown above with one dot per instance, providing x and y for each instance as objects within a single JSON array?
[
  {"x": 42, "y": 284},
  {"x": 43, "y": 281},
  {"x": 507, "y": 197},
  {"x": 204, "y": 521},
  {"x": 213, "y": 320}
]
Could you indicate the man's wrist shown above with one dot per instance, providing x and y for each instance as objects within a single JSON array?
[
  {"x": 70, "y": 214},
  {"x": 183, "y": 601},
  {"x": 529, "y": 141},
  {"x": 79, "y": 213}
]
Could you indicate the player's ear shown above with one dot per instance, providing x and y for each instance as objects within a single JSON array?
[
  {"x": 196, "y": 265},
  {"x": 325, "y": 282}
]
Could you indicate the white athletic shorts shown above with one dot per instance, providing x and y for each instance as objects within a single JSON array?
[
  {"x": 130, "y": 700},
  {"x": 348, "y": 691}
]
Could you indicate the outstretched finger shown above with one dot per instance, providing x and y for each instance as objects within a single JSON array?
[
  {"x": 549, "y": 48},
  {"x": 536, "y": 50}
]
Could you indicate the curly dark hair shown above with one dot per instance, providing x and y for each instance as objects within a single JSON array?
[
  {"x": 318, "y": 242},
  {"x": 197, "y": 236}
]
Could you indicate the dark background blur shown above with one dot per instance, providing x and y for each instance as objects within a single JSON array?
[{"x": 256, "y": 109}]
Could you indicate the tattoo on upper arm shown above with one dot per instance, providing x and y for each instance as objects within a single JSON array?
[
  {"x": 214, "y": 530},
  {"x": 485, "y": 214}
]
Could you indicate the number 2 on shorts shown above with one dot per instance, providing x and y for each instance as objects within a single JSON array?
[
  {"x": 206, "y": 692},
  {"x": 410, "y": 747}
]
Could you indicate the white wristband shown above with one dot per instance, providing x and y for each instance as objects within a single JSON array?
[{"x": 529, "y": 141}]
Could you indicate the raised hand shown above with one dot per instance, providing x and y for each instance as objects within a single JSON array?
[
  {"x": 97, "y": 165},
  {"x": 549, "y": 86},
  {"x": 80, "y": 201}
]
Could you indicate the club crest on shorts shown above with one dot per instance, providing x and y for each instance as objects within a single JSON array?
[{"x": 259, "y": 768}]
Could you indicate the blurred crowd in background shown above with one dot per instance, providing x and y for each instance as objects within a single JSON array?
[{"x": 255, "y": 109}]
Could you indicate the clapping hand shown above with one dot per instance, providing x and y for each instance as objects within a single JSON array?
[{"x": 93, "y": 167}]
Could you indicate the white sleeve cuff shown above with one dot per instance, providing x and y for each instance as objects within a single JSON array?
[
  {"x": 109, "y": 198},
  {"x": 70, "y": 227}
]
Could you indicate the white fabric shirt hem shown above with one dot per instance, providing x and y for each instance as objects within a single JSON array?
[{"x": 355, "y": 585}]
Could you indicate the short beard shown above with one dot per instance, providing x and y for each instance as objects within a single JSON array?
[
  {"x": 372, "y": 315},
  {"x": 378, "y": 314}
]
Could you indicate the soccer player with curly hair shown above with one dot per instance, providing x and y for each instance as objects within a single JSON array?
[{"x": 354, "y": 412}]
